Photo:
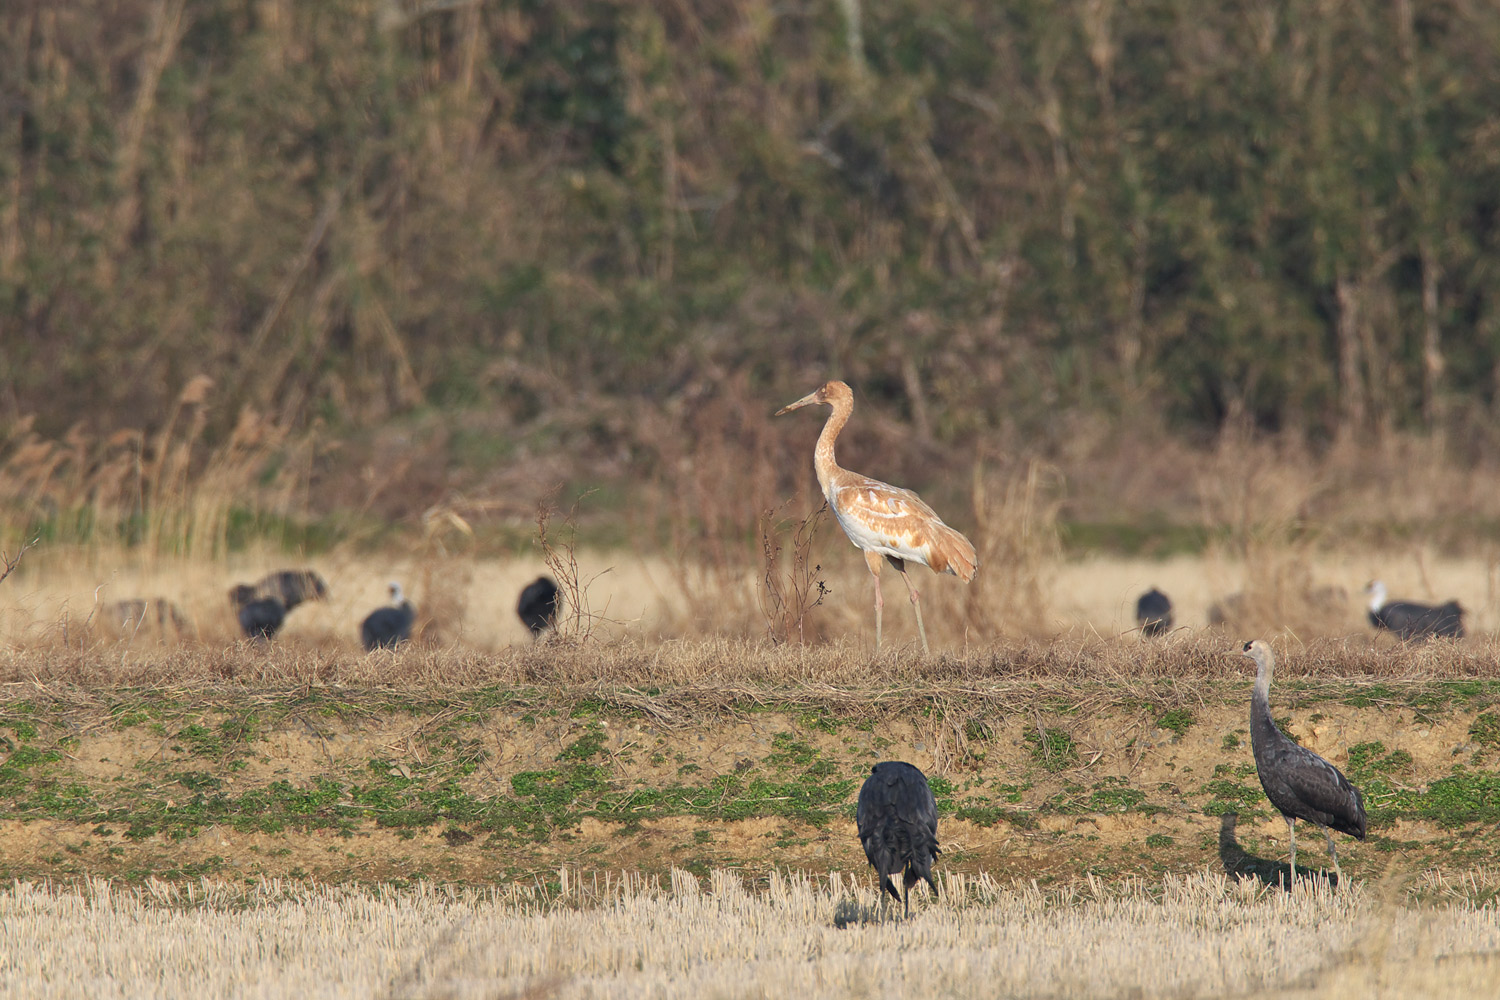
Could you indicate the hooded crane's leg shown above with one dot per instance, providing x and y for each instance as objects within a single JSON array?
[
  {"x": 1333, "y": 852},
  {"x": 873, "y": 560},
  {"x": 1291, "y": 833},
  {"x": 887, "y": 893},
  {"x": 916, "y": 601},
  {"x": 908, "y": 882}
]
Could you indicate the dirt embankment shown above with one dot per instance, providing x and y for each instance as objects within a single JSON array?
[{"x": 487, "y": 785}]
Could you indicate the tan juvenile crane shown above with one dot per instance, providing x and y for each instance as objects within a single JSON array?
[{"x": 885, "y": 521}]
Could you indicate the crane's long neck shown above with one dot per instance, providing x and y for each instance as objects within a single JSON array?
[
  {"x": 1377, "y": 596},
  {"x": 1262, "y": 693},
  {"x": 823, "y": 461},
  {"x": 1263, "y": 729}
]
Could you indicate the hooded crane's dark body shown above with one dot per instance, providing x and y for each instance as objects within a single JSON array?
[
  {"x": 897, "y": 821},
  {"x": 538, "y": 605},
  {"x": 259, "y": 617},
  {"x": 1153, "y": 613},
  {"x": 385, "y": 628},
  {"x": 1410, "y": 620},
  {"x": 292, "y": 586},
  {"x": 1299, "y": 783}
]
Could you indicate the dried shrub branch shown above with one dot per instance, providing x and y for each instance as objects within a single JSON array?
[
  {"x": 789, "y": 595},
  {"x": 577, "y": 620},
  {"x": 12, "y": 561}
]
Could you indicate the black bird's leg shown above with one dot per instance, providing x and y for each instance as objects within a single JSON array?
[
  {"x": 1291, "y": 833},
  {"x": 1333, "y": 852},
  {"x": 908, "y": 880}
]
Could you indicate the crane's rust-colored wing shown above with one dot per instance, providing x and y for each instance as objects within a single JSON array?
[{"x": 883, "y": 518}]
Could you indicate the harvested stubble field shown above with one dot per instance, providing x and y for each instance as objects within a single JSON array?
[{"x": 716, "y": 936}]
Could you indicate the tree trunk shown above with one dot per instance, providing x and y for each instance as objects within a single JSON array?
[{"x": 1352, "y": 405}]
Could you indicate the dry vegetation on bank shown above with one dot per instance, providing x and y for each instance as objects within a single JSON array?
[{"x": 1196, "y": 936}]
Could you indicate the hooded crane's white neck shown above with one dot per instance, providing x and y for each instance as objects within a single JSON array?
[
  {"x": 1376, "y": 590},
  {"x": 1265, "y": 663}
]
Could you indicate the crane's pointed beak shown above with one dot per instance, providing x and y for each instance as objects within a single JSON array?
[{"x": 807, "y": 400}]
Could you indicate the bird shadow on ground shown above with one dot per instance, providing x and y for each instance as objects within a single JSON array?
[
  {"x": 1240, "y": 864},
  {"x": 851, "y": 912}
]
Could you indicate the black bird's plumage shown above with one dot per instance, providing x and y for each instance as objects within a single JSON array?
[
  {"x": 259, "y": 617},
  {"x": 262, "y": 607},
  {"x": 385, "y": 628},
  {"x": 292, "y": 586},
  {"x": 538, "y": 605},
  {"x": 1153, "y": 613},
  {"x": 897, "y": 821},
  {"x": 1299, "y": 783},
  {"x": 1410, "y": 620}
]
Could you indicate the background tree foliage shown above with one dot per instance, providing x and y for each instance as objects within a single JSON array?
[{"x": 1174, "y": 212}]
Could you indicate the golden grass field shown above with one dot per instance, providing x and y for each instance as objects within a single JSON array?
[{"x": 468, "y": 603}]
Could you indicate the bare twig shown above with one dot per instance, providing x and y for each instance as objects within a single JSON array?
[{"x": 12, "y": 561}]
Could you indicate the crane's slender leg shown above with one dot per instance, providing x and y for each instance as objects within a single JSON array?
[
  {"x": 873, "y": 560},
  {"x": 1291, "y": 833},
  {"x": 916, "y": 601},
  {"x": 1333, "y": 852},
  {"x": 908, "y": 882}
]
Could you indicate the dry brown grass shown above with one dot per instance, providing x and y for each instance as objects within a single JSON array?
[
  {"x": 161, "y": 493},
  {"x": 724, "y": 664},
  {"x": 1195, "y": 936},
  {"x": 1019, "y": 551}
]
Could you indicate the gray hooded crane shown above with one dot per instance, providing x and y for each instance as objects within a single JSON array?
[
  {"x": 1153, "y": 613},
  {"x": 1299, "y": 783},
  {"x": 1410, "y": 620},
  {"x": 537, "y": 607},
  {"x": 385, "y": 628},
  {"x": 260, "y": 618},
  {"x": 897, "y": 821}
]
